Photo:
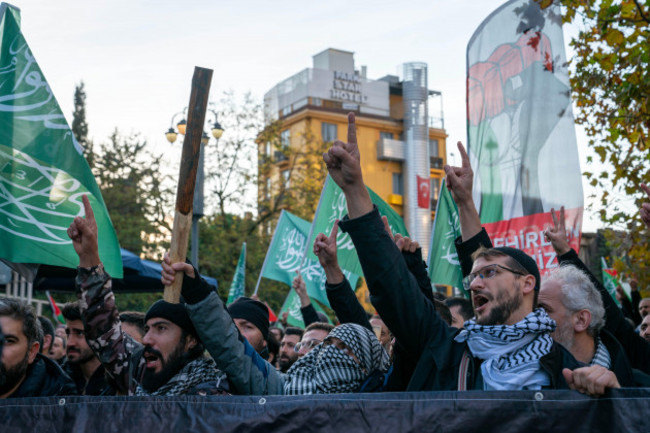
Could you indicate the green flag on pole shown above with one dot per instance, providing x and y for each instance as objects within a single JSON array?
[
  {"x": 239, "y": 279},
  {"x": 610, "y": 279},
  {"x": 444, "y": 266},
  {"x": 43, "y": 173},
  {"x": 332, "y": 206},
  {"x": 285, "y": 254},
  {"x": 292, "y": 307}
]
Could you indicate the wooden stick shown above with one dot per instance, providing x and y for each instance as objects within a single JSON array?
[{"x": 187, "y": 176}]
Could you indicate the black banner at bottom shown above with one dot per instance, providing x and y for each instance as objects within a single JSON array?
[{"x": 522, "y": 411}]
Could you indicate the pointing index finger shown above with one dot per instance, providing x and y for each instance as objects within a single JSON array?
[
  {"x": 352, "y": 129},
  {"x": 335, "y": 230},
  {"x": 463, "y": 155},
  {"x": 88, "y": 209}
]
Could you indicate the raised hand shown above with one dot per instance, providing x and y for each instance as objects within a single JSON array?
[
  {"x": 83, "y": 233},
  {"x": 301, "y": 290},
  {"x": 594, "y": 380},
  {"x": 343, "y": 159},
  {"x": 460, "y": 179},
  {"x": 325, "y": 250},
  {"x": 556, "y": 235},
  {"x": 645, "y": 207},
  {"x": 343, "y": 162},
  {"x": 170, "y": 269},
  {"x": 403, "y": 243}
]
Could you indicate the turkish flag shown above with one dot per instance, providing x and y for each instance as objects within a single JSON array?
[{"x": 423, "y": 192}]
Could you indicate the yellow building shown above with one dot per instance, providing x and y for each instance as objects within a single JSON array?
[{"x": 316, "y": 101}]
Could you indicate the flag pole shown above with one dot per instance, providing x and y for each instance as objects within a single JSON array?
[{"x": 259, "y": 279}]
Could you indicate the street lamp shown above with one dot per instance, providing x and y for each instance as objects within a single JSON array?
[{"x": 197, "y": 209}]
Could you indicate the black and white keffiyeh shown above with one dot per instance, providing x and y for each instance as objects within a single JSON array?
[
  {"x": 194, "y": 373},
  {"x": 511, "y": 353},
  {"x": 327, "y": 369},
  {"x": 601, "y": 356}
]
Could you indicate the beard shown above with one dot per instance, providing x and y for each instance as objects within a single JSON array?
[
  {"x": 503, "y": 308},
  {"x": 79, "y": 356},
  {"x": 564, "y": 335},
  {"x": 151, "y": 380},
  {"x": 9, "y": 378},
  {"x": 285, "y": 363}
]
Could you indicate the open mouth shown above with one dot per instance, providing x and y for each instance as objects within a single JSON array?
[
  {"x": 479, "y": 302},
  {"x": 152, "y": 361}
]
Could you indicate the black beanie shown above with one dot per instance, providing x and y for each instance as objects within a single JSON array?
[
  {"x": 524, "y": 260},
  {"x": 175, "y": 313},
  {"x": 253, "y": 311}
]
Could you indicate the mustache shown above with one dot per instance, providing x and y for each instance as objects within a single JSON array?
[{"x": 151, "y": 351}]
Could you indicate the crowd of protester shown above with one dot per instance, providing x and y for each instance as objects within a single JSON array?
[{"x": 517, "y": 331}]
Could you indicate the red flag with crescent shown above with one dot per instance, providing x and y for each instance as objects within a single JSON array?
[{"x": 423, "y": 192}]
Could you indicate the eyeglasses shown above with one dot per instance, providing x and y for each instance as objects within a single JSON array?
[
  {"x": 489, "y": 271},
  {"x": 308, "y": 345}
]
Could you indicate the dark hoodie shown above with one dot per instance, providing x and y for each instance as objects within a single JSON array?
[{"x": 44, "y": 379}]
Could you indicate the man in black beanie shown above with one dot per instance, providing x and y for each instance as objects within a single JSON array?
[
  {"x": 252, "y": 320},
  {"x": 169, "y": 362}
]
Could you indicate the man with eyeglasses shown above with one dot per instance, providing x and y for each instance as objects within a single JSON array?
[
  {"x": 314, "y": 335},
  {"x": 507, "y": 346}
]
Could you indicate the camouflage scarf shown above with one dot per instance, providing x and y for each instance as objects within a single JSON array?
[{"x": 194, "y": 373}]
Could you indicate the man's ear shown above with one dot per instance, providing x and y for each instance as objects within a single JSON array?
[
  {"x": 33, "y": 351},
  {"x": 528, "y": 285},
  {"x": 581, "y": 320},
  {"x": 190, "y": 343}
]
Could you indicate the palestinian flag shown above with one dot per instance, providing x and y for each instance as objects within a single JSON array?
[{"x": 56, "y": 311}]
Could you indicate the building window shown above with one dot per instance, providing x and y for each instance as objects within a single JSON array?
[
  {"x": 328, "y": 132},
  {"x": 267, "y": 192},
  {"x": 386, "y": 135},
  {"x": 268, "y": 148},
  {"x": 398, "y": 184},
  {"x": 285, "y": 138},
  {"x": 433, "y": 147}
]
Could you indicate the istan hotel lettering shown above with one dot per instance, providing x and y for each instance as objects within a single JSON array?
[{"x": 347, "y": 87}]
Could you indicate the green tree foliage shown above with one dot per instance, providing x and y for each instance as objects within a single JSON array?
[
  {"x": 134, "y": 191},
  {"x": 229, "y": 163},
  {"x": 79, "y": 124},
  {"x": 296, "y": 170},
  {"x": 611, "y": 88}
]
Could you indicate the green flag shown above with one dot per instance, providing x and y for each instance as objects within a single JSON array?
[
  {"x": 332, "y": 206},
  {"x": 285, "y": 255},
  {"x": 239, "y": 279},
  {"x": 43, "y": 173},
  {"x": 292, "y": 307},
  {"x": 610, "y": 279},
  {"x": 444, "y": 267}
]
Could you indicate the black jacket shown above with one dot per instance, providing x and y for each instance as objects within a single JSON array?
[
  {"x": 45, "y": 378},
  {"x": 415, "y": 323},
  {"x": 96, "y": 385},
  {"x": 635, "y": 347},
  {"x": 620, "y": 365}
]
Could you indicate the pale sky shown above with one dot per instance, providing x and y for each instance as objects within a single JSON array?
[{"x": 137, "y": 57}]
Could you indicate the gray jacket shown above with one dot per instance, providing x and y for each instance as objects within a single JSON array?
[{"x": 248, "y": 372}]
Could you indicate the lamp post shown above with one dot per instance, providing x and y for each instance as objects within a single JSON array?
[{"x": 197, "y": 209}]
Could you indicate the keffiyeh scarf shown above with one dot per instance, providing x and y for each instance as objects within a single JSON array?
[
  {"x": 511, "y": 353},
  {"x": 327, "y": 369},
  {"x": 194, "y": 373}
]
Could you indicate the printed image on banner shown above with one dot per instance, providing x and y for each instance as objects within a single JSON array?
[
  {"x": 521, "y": 130},
  {"x": 332, "y": 206},
  {"x": 444, "y": 266},
  {"x": 286, "y": 252},
  {"x": 43, "y": 173}
]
